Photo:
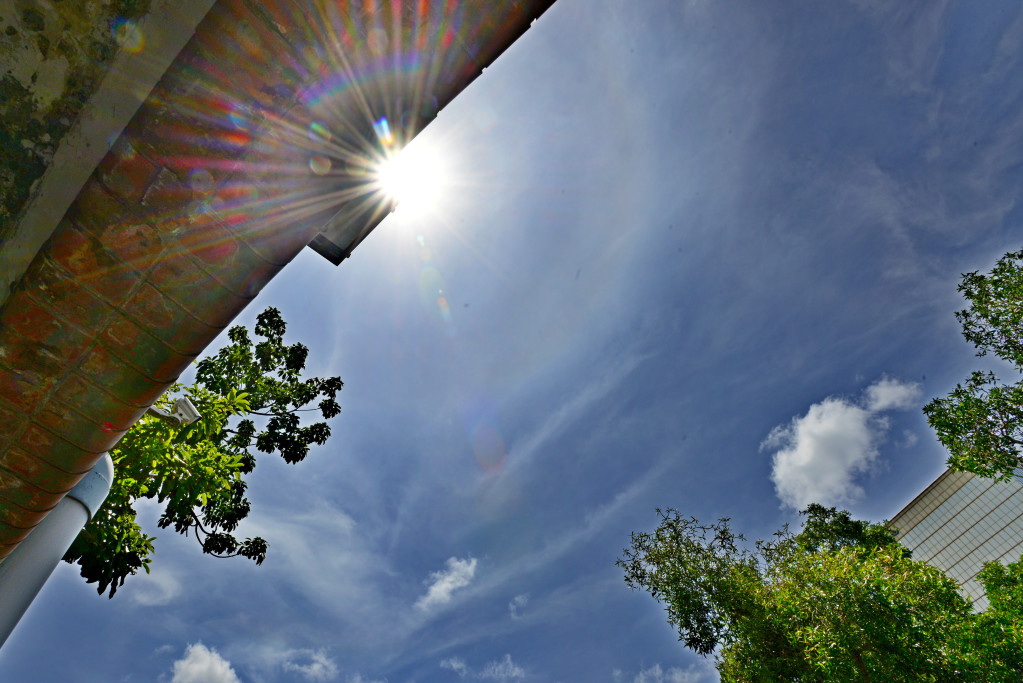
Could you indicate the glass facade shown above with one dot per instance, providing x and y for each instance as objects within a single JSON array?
[{"x": 960, "y": 522}]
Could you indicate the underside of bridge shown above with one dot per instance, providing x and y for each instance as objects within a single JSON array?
[{"x": 259, "y": 139}]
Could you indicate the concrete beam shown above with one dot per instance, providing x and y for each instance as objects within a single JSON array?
[{"x": 166, "y": 28}]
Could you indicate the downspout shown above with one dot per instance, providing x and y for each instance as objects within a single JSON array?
[{"x": 24, "y": 571}]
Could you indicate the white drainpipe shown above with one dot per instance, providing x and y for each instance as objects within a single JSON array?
[{"x": 25, "y": 570}]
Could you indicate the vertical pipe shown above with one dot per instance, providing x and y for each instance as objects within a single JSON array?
[{"x": 24, "y": 571}]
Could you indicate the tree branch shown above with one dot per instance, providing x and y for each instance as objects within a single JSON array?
[{"x": 283, "y": 412}]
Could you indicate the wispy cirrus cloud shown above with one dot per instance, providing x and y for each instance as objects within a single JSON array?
[
  {"x": 500, "y": 670},
  {"x": 359, "y": 678},
  {"x": 517, "y": 604},
  {"x": 911, "y": 36},
  {"x": 576, "y": 408},
  {"x": 158, "y": 588},
  {"x": 311, "y": 665},
  {"x": 456, "y": 664}
]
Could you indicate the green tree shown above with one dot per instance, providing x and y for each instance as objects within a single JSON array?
[
  {"x": 840, "y": 601},
  {"x": 249, "y": 395},
  {"x": 981, "y": 423}
]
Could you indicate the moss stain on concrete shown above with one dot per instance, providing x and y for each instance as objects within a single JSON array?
[{"x": 53, "y": 56}]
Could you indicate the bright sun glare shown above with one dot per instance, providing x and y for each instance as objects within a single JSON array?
[{"x": 414, "y": 177}]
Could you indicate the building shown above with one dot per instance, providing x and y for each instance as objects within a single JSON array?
[{"x": 960, "y": 522}]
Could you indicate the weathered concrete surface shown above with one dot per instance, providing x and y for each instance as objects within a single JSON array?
[
  {"x": 72, "y": 74},
  {"x": 53, "y": 57}
]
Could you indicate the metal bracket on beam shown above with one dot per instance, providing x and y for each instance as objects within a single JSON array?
[{"x": 182, "y": 413}]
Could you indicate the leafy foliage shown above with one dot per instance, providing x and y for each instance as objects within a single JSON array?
[
  {"x": 249, "y": 395},
  {"x": 840, "y": 601},
  {"x": 981, "y": 423}
]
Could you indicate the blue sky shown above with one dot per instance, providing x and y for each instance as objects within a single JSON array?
[{"x": 697, "y": 254}]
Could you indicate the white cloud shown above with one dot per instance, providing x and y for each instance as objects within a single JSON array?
[
  {"x": 202, "y": 665},
  {"x": 311, "y": 665},
  {"x": 891, "y": 394},
  {"x": 319, "y": 666},
  {"x": 516, "y": 604},
  {"x": 818, "y": 456},
  {"x": 455, "y": 664},
  {"x": 442, "y": 584},
  {"x": 655, "y": 674},
  {"x": 501, "y": 670}
]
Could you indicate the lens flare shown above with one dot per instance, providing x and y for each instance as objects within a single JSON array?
[
  {"x": 487, "y": 446},
  {"x": 479, "y": 418},
  {"x": 431, "y": 289},
  {"x": 444, "y": 307},
  {"x": 124, "y": 150},
  {"x": 319, "y": 133},
  {"x": 377, "y": 41},
  {"x": 320, "y": 165},
  {"x": 128, "y": 36},
  {"x": 383, "y": 130},
  {"x": 356, "y": 167},
  {"x": 201, "y": 180},
  {"x": 241, "y": 116}
]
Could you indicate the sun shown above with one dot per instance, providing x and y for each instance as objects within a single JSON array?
[{"x": 414, "y": 177}]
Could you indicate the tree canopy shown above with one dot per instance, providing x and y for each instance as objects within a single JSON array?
[
  {"x": 250, "y": 395},
  {"x": 841, "y": 600},
  {"x": 981, "y": 422}
]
